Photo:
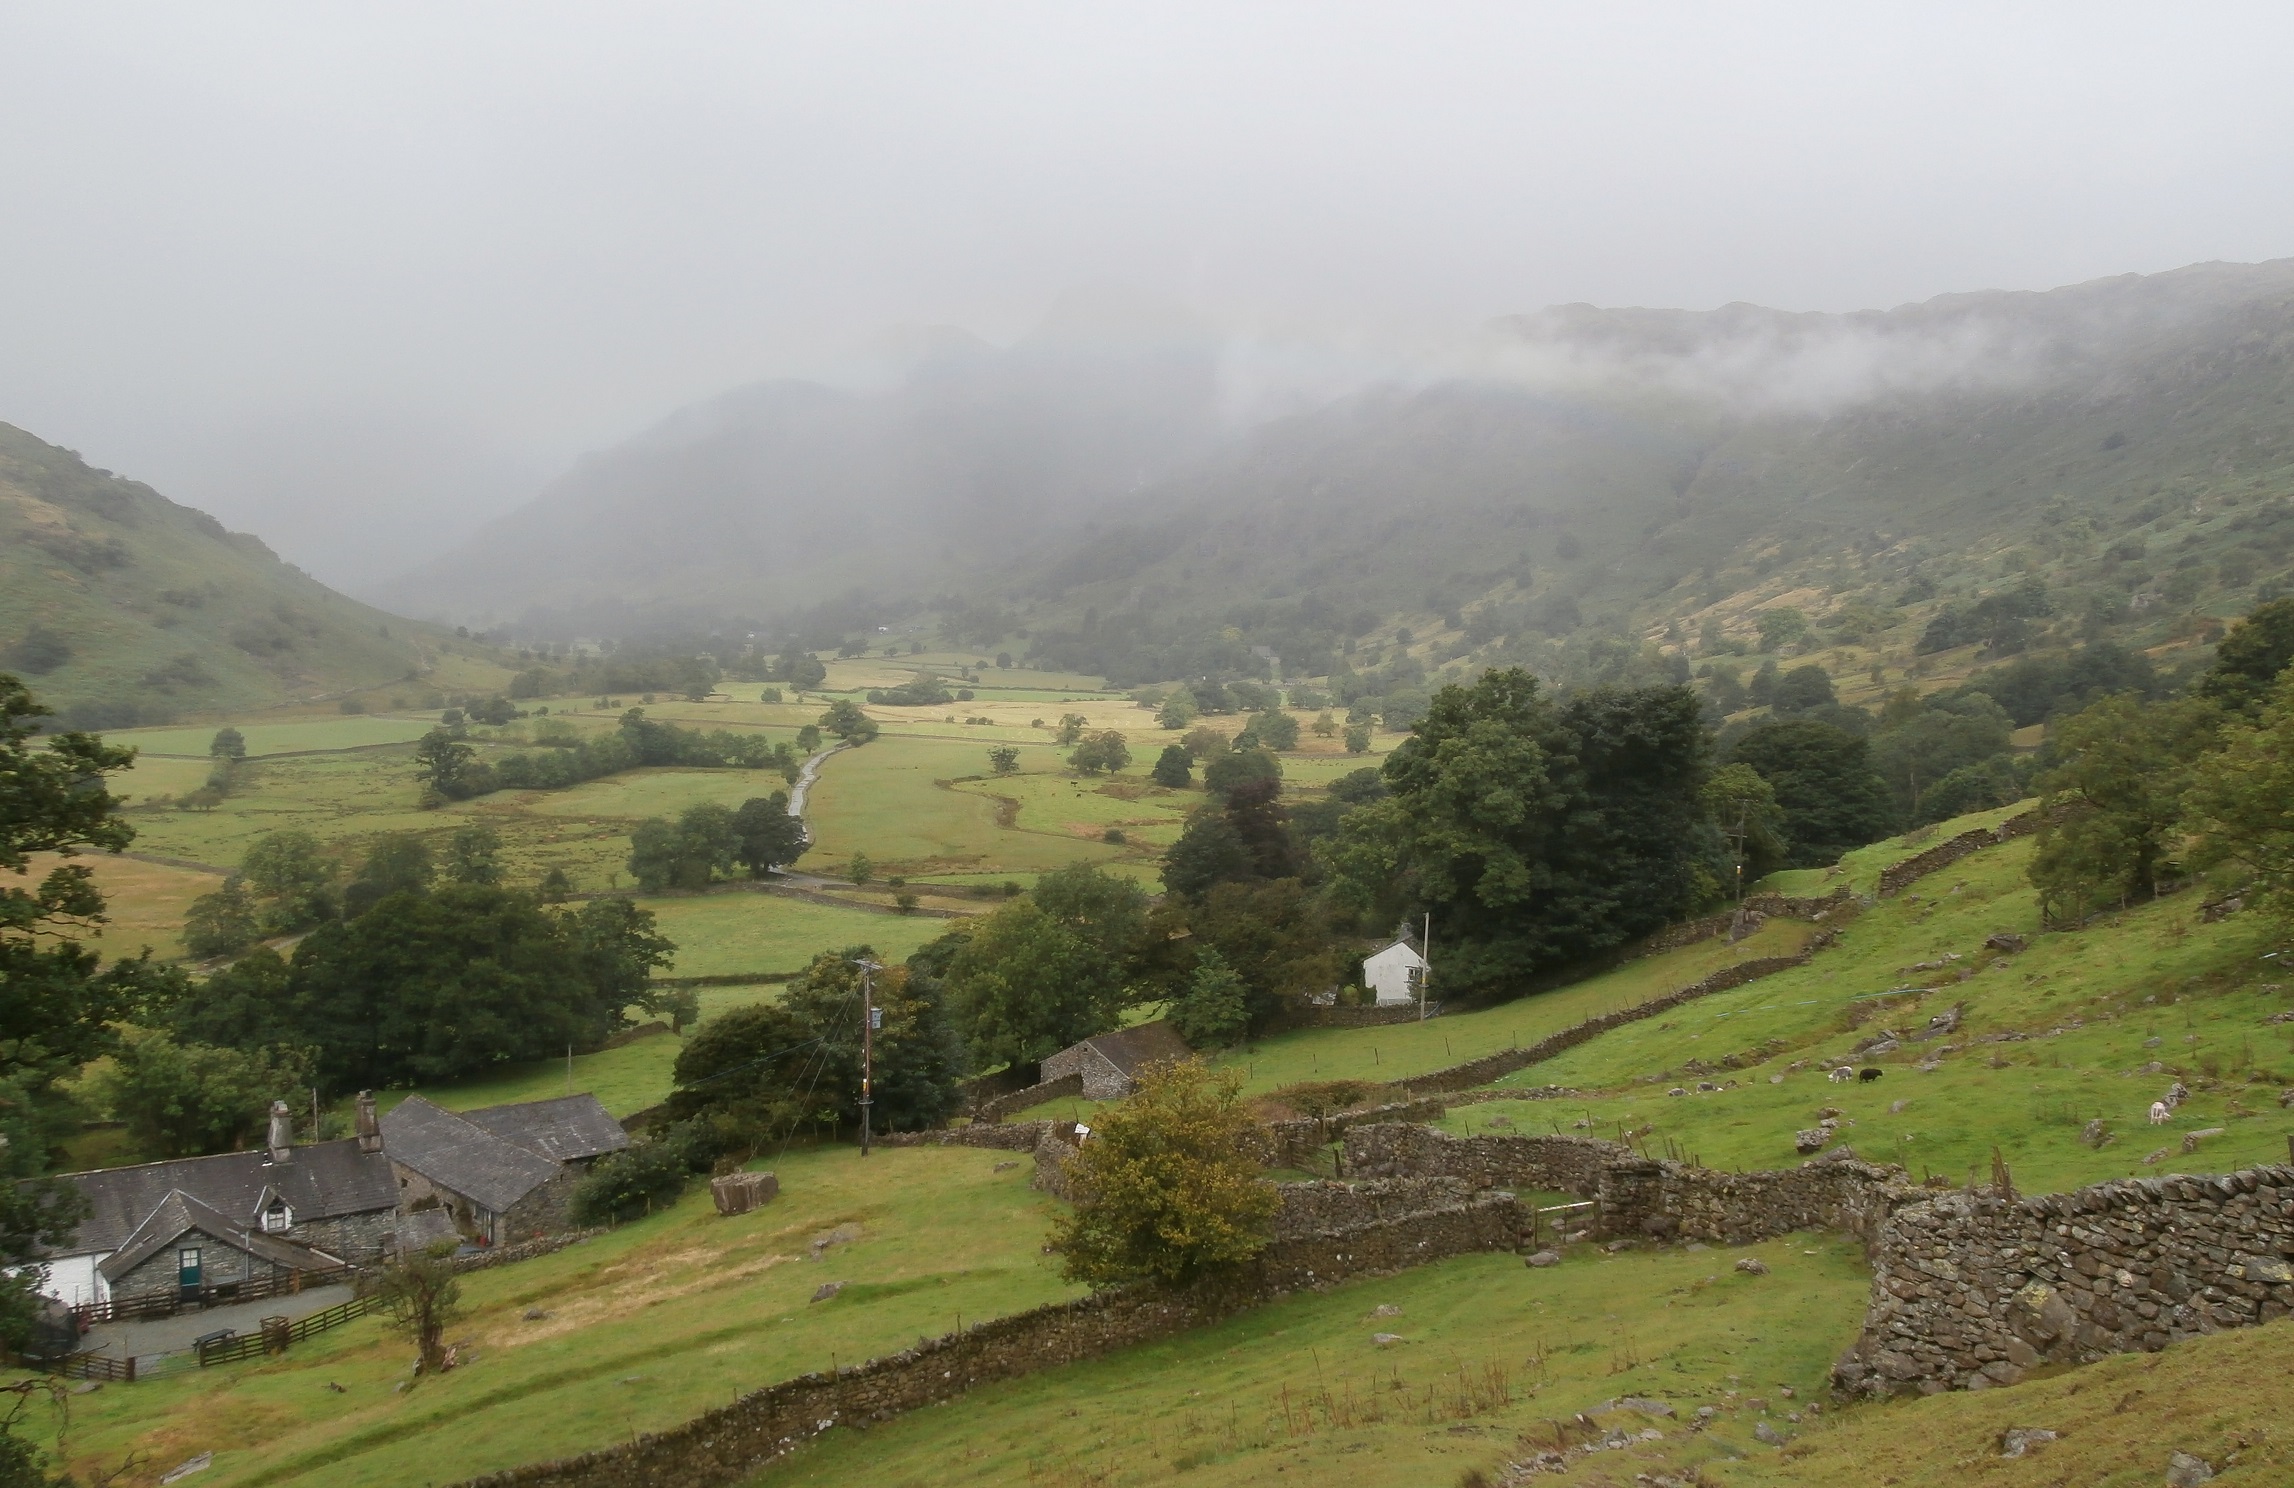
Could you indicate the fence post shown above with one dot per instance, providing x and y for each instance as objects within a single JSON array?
[{"x": 131, "y": 1369}]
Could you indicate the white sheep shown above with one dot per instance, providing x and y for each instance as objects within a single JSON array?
[
  {"x": 1842, "y": 1075},
  {"x": 2159, "y": 1113}
]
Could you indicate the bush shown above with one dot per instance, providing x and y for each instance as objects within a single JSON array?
[
  {"x": 630, "y": 1183},
  {"x": 1166, "y": 1189}
]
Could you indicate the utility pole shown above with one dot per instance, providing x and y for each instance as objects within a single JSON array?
[
  {"x": 1425, "y": 954},
  {"x": 868, "y": 1016}
]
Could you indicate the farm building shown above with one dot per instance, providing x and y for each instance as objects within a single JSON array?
[
  {"x": 206, "y": 1226},
  {"x": 502, "y": 1173},
  {"x": 1394, "y": 973},
  {"x": 1110, "y": 1062}
]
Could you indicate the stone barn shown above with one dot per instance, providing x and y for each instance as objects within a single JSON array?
[
  {"x": 503, "y": 1173},
  {"x": 1110, "y": 1062}
]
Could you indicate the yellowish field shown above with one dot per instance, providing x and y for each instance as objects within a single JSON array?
[{"x": 146, "y": 901}]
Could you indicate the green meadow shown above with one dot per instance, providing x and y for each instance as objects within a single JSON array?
[{"x": 1489, "y": 1353}]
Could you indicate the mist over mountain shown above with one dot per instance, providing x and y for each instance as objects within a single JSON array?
[
  {"x": 784, "y": 493},
  {"x": 1621, "y": 464}
]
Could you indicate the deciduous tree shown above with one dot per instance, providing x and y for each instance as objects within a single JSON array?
[{"x": 1166, "y": 1189}]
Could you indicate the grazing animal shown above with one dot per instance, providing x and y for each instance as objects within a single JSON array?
[
  {"x": 2159, "y": 1113},
  {"x": 1842, "y": 1075},
  {"x": 1869, "y": 1075}
]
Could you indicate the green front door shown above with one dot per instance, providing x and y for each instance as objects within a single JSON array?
[{"x": 187, "y": 1270}]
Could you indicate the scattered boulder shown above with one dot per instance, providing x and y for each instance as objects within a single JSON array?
[
  {"x": 2018, "y": 1440},
  {"x": 535, "y": 1314},
  {"x": 2183, "y": 1471},
  {"x": 1385, "y": 1340},
  {"x": 2097, "y": 1134},
  {"x": 826, "y": 1290},
  {"x": 1810, "y": 1140},
  {"x": 2006, "y": 940},
  {"x": 206, "y": 1460},
  {"x": 1385, "y": 1309},
  {"x": 1645, "y": 1407},
  {"x": 1842, "y": 1153},
  {"x": 1763, "y": 1432},
  {"x": 1896, "y": 1108},
  {"x": 2155, "y": 1158},
  {"x": 1005, "y": 1167},
  {"x": 1752, "y": 1266},
  {"x": 2190, "y": 1140},
  {"x": 738, "y": 1193},
  {"x": 1544, "y": 1258}
]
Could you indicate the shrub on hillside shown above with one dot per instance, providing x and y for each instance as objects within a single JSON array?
[
  {"x": 630, "y": 1183},
  {"x": 1166, "y": 1189}
]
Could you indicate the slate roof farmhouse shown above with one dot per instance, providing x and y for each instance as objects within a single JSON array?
[{"x": 205, "y": 1228}]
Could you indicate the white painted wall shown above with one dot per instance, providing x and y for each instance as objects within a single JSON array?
[
  {"x": 74, "y": 1281},
  {"x": 1390, "y": 973}
]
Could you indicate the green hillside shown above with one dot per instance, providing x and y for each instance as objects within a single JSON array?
[
  {"x": 123, "y": 607},
  {"x": 2127, "y": 444}
]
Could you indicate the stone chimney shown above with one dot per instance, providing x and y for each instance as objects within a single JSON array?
[
  {"x": 282, "y": 1141},
  {"x": 369, "y": 1128}
]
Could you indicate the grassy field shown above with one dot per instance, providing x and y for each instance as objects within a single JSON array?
[
  {"x": 1398, "y": 1051},
  {"x": 146, "y": 901},
  {"x": 1492, "y": 1352},
  {"x": 888, "y": 800},
  {"x": 631, "y": 1332},
  {"x": 730, "y": 934},
  {"x": 2088, "y": 1010},
  {"x": 2222, "y": 1399},
  {"x": 300, "y": 736},
  {"x": 625, "y": 1080}
]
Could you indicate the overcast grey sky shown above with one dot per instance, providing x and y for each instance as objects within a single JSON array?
[{"x": 348, "y": 273}]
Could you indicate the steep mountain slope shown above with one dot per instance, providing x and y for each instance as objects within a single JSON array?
[
  {"x": 122, "y": 607},
  {"x": 787, "y": 493},
  {"x": 2130, "y": 442}
]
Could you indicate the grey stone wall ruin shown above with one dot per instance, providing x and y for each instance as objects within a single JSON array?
[{"x": 1973, "y": 1290}]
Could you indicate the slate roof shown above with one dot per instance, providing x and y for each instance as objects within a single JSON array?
[
  {"x": 1131, "y": 1049},
  {"x": 178, "y": 1214},
  {"x": 566, "y": 1129},
  {"x": 454, "y": 1154},
  {"x": 320, "y": 1181},
  {"x": 498, "y": 1155}
]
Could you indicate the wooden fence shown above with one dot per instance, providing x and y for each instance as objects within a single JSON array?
[
  {"x": 277, "y": 1339},
  {"x": 169, "y": 1304}
]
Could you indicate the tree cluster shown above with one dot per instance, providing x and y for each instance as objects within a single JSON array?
[
  {"x": 707, "y": 841},
  {"x": 449, "y": 767},
  {"x": 61, "y": 1006},
  {"x": 2142, "y": 794},
  {"x": 436, "y": 983}
]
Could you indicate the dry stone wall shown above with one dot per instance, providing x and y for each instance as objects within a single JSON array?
[
  {"x": 1675, "y": 1201},
  {"x": 1636, "y": 1195},
  {"x": 1950, "y": 851},
  {"x": 1034, "y": 1095},
  {"x": 1020, "y": 1136},
  {"x": 1496, "y": 1066},
  {"x": 729, "y": 1445},
  {"x": 1973, "y": 1290},
  {"x": 1524, "y": 1161}
]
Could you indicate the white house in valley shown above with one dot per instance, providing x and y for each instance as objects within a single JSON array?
[{"x": 1394, "y": 973}]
